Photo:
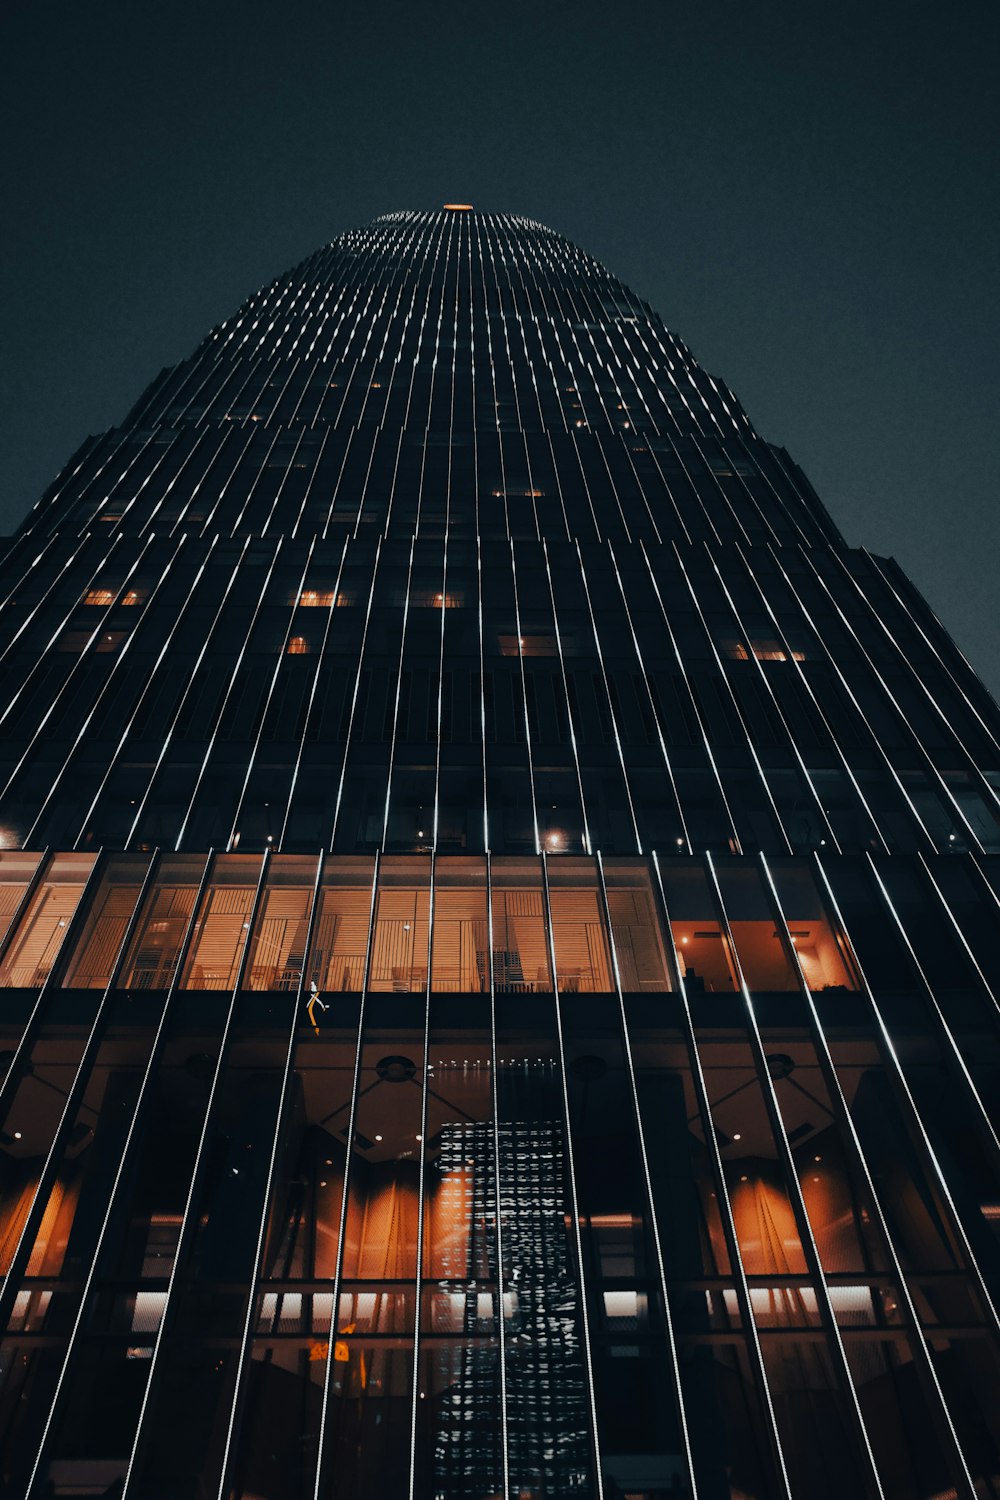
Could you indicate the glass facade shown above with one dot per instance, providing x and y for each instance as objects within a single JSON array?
[{"x": 499, "y": 915}]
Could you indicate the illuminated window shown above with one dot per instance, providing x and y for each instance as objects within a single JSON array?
[
  {"x": 156, "y": 943},
  {"x": 16, "y": 871},
  {"x": 223, "y": 924},
  {"x": 583, "y": 959},
  {"x": 460, "y": 960},
  {"x": 43, "y": 926},
  {"x": 298, "y": 646},
  {"x": 826, "y": 962},
  {"x": 763, "y": 650},
  {"x": 278, "y": 949},
  {"x": 431, "y": 599},
  {"x": 340, "y": 930},
  {"x": 99, "y": 596},
  {"x": 635, "y": 927},
  {"x": 520, "y": 946},
  {"x": 399, "y": 948},
  {"x": 113, "y": 904},
  {"x": 528, "y": 645},
  {"x": 316, "y": 599}
]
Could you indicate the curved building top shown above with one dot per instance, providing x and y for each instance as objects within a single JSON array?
[{"x": 451, "y": 367}]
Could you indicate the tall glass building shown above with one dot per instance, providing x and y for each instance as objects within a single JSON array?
[{"x": 501, "y": 909}]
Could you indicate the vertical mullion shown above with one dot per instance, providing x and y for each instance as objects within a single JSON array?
[
  {"x": 595, "y": 1448},
  {"x": 497, "y": 1185},
  {"x": 35, "y": 1019},
  {"x": 421, "y": 1192},
  {"x": 323, "y": 1461},
  {"x": 741, "y": 1287},
  {"x": 320, "y": 663},
  {"x": 95, "y": 1038},
  {"x": 112, "y": 1202},
  {"x": 186, "y": 1230},
  {"x": 647, "y": 1180},
  {"x": 227, "y": 1476},
  {"x": 894, "y": 1070},
  {"x": 802, "y": 1223},
  {"x": 860, "y": 1170}
]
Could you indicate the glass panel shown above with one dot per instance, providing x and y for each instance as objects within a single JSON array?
[
  {"x": 635, "y": 926},
  {"x": 399, "y": 949},
  {"x": 702, "y": 951},
  {"x": 159, "y": 934},
  {"x": 904, "y": 1430},
  {"x": 111, "y": 908},
  {"x": 458, "y": 1431},
  {"x": 16, "y": 871},
  {"x": 763, "y": 1211},
  {"x": 826, "y": 962},
  {"x": 278, "y": 947},
  {"x": 276, "y": 1448},
  {"x": 371, "y": 1403},
  {"x": 25, "y": 1140},
  {"x": 222, "y": 925},
  {"x": 583, "y": 960},
  {"x": 547, "y": 1397},
  {"x": 634, "y": 1390},
  {"x": 190, "y": 1400},
  {"x": 811, "y": 1413},
  {"x": 39, "y": 936},
  {"x": 461, "y": 931},
  {"x": 762, "y": 955},
  {"x": 138, "y": 1247},
  {"x": 520, "y": 945},
  {"x": 340, "y": 931}
]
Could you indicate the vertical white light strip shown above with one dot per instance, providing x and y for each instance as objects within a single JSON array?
[
  {"x": 188, "y": 1222},
  {"x": 323, "y": 1460},
  {"x": 793, "y": 1186},
  {"x": 888, "y": 1051},
  {"x": 576, "y": 1229},
  {"x": 293, "y": 609},
  {"x": 243, "y": 1359},
  {"x": 917, "y": 1342},
  {"x": 139, "y": 1115},
  {"x": 654, "y": 1226},
  {"x": 711, "y": 1141},
  {"x": 192, "y": 678},
  {"x": 237, "y": 664}
]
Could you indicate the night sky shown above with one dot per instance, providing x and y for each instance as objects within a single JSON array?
[{"x": 807, "y": 192}]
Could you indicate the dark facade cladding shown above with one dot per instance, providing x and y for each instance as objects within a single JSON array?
[{"x": 501, "y": 929}]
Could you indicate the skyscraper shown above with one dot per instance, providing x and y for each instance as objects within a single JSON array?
[{"x": 500, "y": 903}]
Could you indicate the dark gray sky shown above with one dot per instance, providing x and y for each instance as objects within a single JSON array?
[{"x": 807, "y": 191}]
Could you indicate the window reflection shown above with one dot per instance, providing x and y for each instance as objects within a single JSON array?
[{"x": 39, "y": 936}]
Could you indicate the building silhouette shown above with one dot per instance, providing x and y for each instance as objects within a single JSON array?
[{"x": 500, "y": 907}]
